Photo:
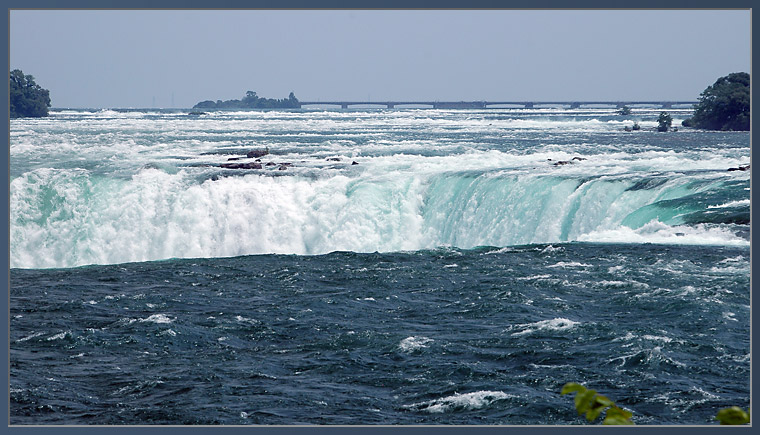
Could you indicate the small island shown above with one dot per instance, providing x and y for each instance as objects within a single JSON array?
[
  {"x": 27, "y": 98},
  {"x": 724, "y": 105},
  {"x": 251, "y": 101}
]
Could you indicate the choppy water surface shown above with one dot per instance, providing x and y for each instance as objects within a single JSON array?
[{"x": 453, "y": 275}]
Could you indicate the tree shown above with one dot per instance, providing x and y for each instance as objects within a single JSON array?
[
  {"x": 27, "y": 98},
  {"x": 251, "y": 101},
  {"x": 664, "y": 121},
  {"x": 733, "y": 415},
  {"x": 724, "y": 105},
  {"x": 593, "y": 404}
]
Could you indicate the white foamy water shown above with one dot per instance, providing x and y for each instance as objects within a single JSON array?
[
  {"x": 743, "y": 202},
  {"x": 657, "y": 232},
  {"x": 558, "y": 324},
  {"x": 111, "y": 186},
  {"x": 411, "y": 344},
  {"x": 158, "y": 318},
  {"x": 475, "y": 400}
]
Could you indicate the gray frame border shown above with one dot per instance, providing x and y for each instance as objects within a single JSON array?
[{"x": 330, "y": 4}]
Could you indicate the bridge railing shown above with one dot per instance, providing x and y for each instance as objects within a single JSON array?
[{"x": 491, "y": 104}]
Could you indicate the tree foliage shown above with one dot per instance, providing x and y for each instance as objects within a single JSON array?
[
  {"x": 733, "y": 415},
  {"x": 27, "y": 98},
  {"x": 664, "y": 121},
  {"x": 592, "y": 404},
  {"x": 724, "y": 105},
  {"x": 251, "y": 101}
]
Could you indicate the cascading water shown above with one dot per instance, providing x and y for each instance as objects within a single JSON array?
[{"x": 71, "y": 217}]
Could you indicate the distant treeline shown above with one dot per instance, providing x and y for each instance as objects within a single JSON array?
[
  {"x": 27, "y": 98},
  {"x": 251, "y": 101}
]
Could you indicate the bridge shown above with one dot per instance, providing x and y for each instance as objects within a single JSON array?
[{"x": 497, "y": 104}]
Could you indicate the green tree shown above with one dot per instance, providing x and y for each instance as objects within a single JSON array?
[
  {"x": 664, "y": 121},
  {"x": 724, "y": 105},
  {"x": 27, "y": 98}
]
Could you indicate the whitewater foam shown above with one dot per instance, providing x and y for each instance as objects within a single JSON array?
[
  {"x": 411, "y": 344},
  {"x": 557, "y": 324},
  {"x": 157, "y": 318},
  {"x": 121, "y": 186},
  {"x": 740, "y": 203},
  {"x": 468, "y": 401},
  {"x": 660, "y": 233}
]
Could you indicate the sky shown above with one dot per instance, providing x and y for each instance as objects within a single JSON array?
[{"x": 176, "y": 58}]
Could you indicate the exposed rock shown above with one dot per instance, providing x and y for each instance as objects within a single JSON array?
[
  {"x": 354, "y": 163},
  {"x": 282, "y": 168},
  {"x": 257, "y": 153},
  {"x": 579, "y": 158},
  {"x": 563, "y": 162},
  {"x": 233, "y": 158},
  {"x": 626, "y": 128},
  {"x": 740, "y": 168},
  {"x": 241, "y": 165},
  {"x": 196, "y": 113},
  {"x": 271, "y": 164},
  {"x": 333, "y": 159}
]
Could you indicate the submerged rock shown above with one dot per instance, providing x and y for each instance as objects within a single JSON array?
[{"x": 333, "y": 159}]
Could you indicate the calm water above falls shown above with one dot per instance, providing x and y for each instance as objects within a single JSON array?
[{"x": 454, "y": 275}]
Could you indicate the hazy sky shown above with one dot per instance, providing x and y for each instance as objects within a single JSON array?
[{"x": 178, "y": 58}]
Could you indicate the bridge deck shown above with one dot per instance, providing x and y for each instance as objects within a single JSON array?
[{"x": 487, "y": 104}]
